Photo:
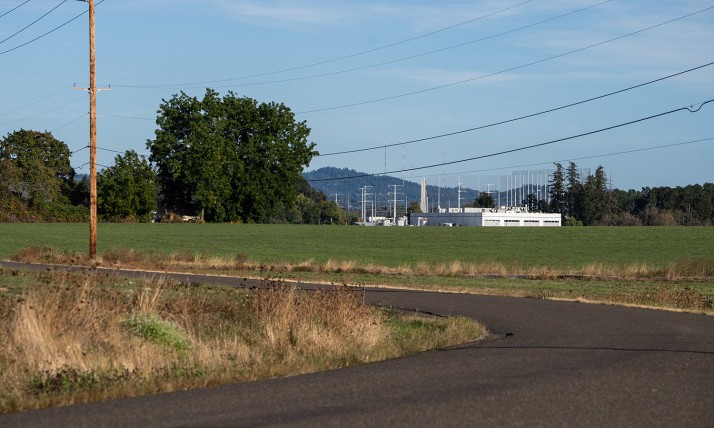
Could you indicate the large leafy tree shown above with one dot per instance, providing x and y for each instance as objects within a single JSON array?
[
  {"x": 36, "y": 167},
  {"x": 229, "y": 158},
  {"x": 127, "y": 189}
]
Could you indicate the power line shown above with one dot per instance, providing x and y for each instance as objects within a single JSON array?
[
  {"x": 23, "y": 3},
  {"x": 78, "y": 150},
  {"x": 623, "y": 152},
  {"x": 483, "y": 76},
  {"x": 109, "y": 150},
  {"x": 463, "y": 131},
  {"x": 333, "y": 73},
  {"x": 124, "y": 117},
  {"x": 43, "y": 113},
  {"x": 690, "y": 109},
  {"x": 35, "y": 102},
  {"x": 70, "y": 122},
  {"x": 47, "y": 33},
  {"x": 87, "y": 163},
  {"x": 472, "y": 79},
  {"x": 334, "y": 59},
  {"x": 33, "y": 22}
]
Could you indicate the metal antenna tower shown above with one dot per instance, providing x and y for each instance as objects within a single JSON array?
[{"x": 394, "y": 194}]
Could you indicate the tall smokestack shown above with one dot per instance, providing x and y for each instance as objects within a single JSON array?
[{"x": 423, "y": 203}]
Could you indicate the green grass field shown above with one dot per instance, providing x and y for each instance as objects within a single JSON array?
[{"x": 389, "y": 246}]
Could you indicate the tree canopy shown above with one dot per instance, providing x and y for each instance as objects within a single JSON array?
[
  {"x": 229, "y": 158},
  {"x": 595, "y": 197},
  {"x": 574, "y": 193},
  {"x": 312, "y": 207},
  {"x": 127, "y": 189},
  {"x": 557, "y": 190},
  {"x": 36, "y": 179},
  {"x": 36, "y": 166},
  {"x": 484, "y": 200}
]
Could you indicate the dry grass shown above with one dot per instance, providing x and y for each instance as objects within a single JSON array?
[
  {"x": 676, "y": 284},
  {"x": 69, "y": 338},
  {"x": 688, "y": 268},
  {"x": 120, "y": 257}
]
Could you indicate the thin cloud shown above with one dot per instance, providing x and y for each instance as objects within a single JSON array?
[
  {"x": 305, "y": 14},
  {"x": 656, "y": 51},
  {"x": 420, "y": 18},
  {"x": 289, "y": 14}
]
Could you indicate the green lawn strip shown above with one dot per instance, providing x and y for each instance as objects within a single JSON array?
[{"x": 523, "y": 247}]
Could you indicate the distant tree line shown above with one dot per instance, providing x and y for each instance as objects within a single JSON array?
[
  {"x": 217, "y": 159},
  {"x": 691, "y": 205},
  {"x": 589, "y": 202}
]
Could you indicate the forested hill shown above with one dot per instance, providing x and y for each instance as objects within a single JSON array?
[{"x": 328, "y": 180}]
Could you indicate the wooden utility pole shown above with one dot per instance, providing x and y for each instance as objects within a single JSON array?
[
  {"x": 92, "y": 134},
  {"x": 92, "y": 138}
]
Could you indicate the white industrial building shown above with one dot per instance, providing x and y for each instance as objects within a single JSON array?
[
  {"x": 518, "y": 216},
  {"x": 485, "y": 217}
]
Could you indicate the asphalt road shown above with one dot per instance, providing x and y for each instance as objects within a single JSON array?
[{"x": 549, "y": 363}]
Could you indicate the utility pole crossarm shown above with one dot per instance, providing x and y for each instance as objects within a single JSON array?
[{"x": 79, "y": 88}]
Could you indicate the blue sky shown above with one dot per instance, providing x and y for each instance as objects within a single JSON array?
[{"x": 374, "y": 73}]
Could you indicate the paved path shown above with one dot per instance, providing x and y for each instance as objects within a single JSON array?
[{"x": 551, "y": 364}]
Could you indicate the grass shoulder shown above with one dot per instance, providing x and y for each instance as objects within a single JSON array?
[{"x": 683, "y": 284}]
